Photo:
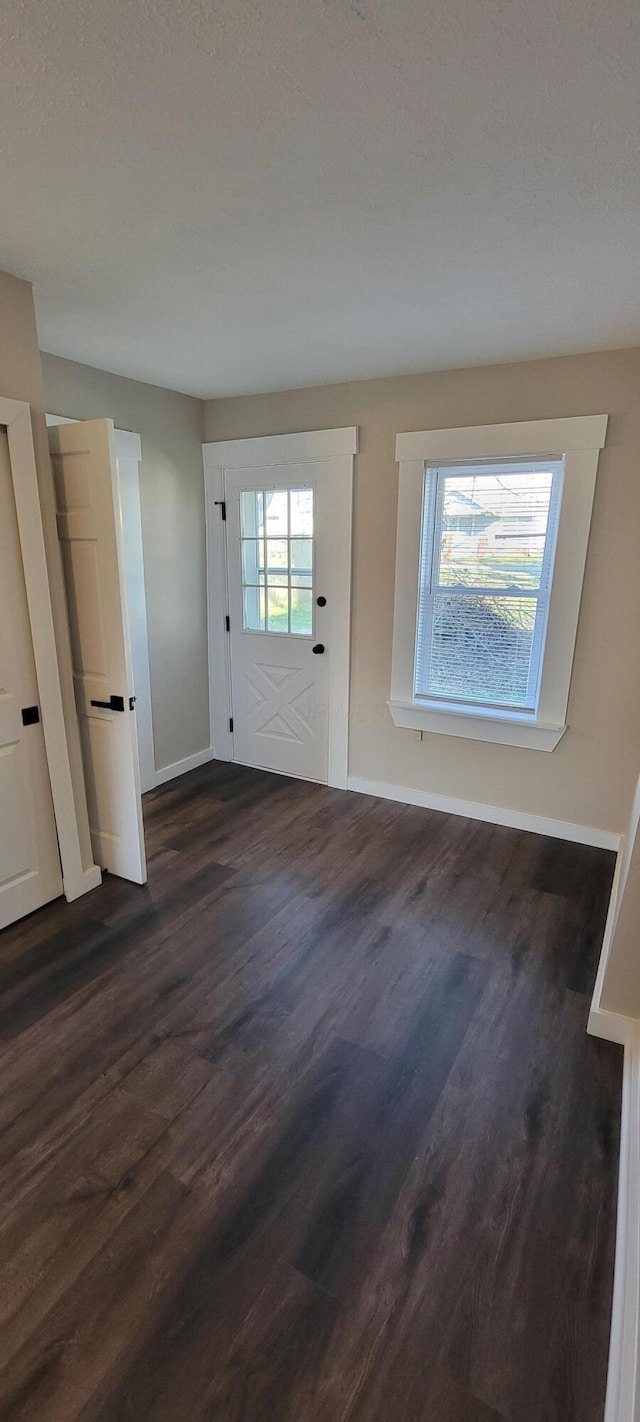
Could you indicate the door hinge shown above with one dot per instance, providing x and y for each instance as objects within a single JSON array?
[
  {"x": 222, "y": 505},
  {"x": 231, "y": 723},
  {"x": 227, "y": 623}
]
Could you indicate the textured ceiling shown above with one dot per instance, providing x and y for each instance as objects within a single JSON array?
[{"x": 242, "y": 196}]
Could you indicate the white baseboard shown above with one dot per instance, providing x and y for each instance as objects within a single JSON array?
[
  {"x": 74, "y": 888},
  {"x": 492, "y": 814},
  {"x": 180, "y": 767}
]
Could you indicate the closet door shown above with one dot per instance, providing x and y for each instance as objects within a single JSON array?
[
  {"x": 89, "y": 513},
  {"x": 30, "y": 872}
]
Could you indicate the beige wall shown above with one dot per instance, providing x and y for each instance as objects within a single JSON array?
[
  {"x": 590, "y": 777},
  {"x": 21, "y": 379},
  {"x": 172, "y": 505}
]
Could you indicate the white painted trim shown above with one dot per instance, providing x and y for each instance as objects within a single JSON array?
[
  {"x": 505, "y": 730},
  {"x": 180, "y": 767},
  {"x": 569, "y": 438},
  {"x": 281, "y": 449},
  {"x": 623, "y": 1378},
  {"x": 16, "y": 416},
  {"x": 610, "y": 1025},
  {"x": 336, "y": 448},
  {"x": 217, "y": 608},
  {"x": 128, "y": 450},
  {"x": 128, "y": 445},
  {"x": 523, "y": 438},
  {"x": 492, "y": 814},
  {"x": 52, "y": 420}
]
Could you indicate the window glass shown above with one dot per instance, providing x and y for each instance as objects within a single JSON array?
[{"x": 488, "y": 542}]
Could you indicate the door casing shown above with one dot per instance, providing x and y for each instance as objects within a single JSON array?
[{"x": 335, "y": 449}]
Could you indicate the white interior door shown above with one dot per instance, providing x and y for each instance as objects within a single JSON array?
[
  {"x": 89, "y": 515},
  {"x": 30, "y": 872},
  {"x": 277, "y": 532}
]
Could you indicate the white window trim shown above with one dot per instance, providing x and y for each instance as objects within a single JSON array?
[{"x": 580, "y": 440}]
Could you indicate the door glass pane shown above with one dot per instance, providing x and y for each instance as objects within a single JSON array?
[
  {"x": 251, "y": 513},
  {"x": 252, "y": 561},
  {"x": 277, "y": 609},
  {"x": 253, "y": 609},
  {"x": 301, "y": 504},
  {"x": 301, "y": 612},
  {"x": 277, "y": 556},
  {"x": 277, "y": 510},
  {"x": 281, "y": 562},
  {"x": 302, "y": 554}
]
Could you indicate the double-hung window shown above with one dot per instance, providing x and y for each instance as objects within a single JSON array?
[{"x": 492, "y": 536}]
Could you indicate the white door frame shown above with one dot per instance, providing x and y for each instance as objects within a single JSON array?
[
  {"x": 128, "y": 449},
  {"x": 15, "y": 415},
  {"x": 336, "y": 449}
]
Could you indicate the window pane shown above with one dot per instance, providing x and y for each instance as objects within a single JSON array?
[
  {"x": 252, "y": 560},
  {"x": 277, "y": 512},
  {"x": 302, "y": 554},
  {"x": 301, "y": 612},
  {"x": 301, "y": 512},
  {"x": 251, "y": 516},
  {"x": 488, "y": 541},
  {"x": 481, "y": 649},
  {"x": 253, "y": 609},
  {"x": 301, "y": 580},
  {"x": 493, "y": 530}
]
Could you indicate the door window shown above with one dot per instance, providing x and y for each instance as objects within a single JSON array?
[{"x": 276, "y": 534}]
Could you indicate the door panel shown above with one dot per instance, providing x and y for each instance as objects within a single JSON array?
[
  {"x": 90, "y": 531},
  {"x": 30, "y": 872},
  {"x": 276, "y": 562}
]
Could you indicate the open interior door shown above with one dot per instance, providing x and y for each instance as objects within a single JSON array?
[
  {"x": 89, "y": 516},
  {"x": 29, "y": 860}
]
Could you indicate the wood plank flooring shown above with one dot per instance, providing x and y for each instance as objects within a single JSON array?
[{"x": 309, "y": 1129}]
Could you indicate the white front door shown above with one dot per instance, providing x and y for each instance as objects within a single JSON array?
[
  {"x": 277, "y": 530},
  {"x": 30, "y": 872},
  {"x": 90, "y": 530}
]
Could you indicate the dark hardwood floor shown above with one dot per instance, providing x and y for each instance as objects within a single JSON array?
[{"x": 309, "y": 1129}]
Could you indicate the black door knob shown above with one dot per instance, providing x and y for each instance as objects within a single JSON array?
[
  {"x": 321, "y": 601},
  {"x": 318, "y": 649}
]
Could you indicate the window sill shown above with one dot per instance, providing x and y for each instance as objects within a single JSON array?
[{"x": 509, "y": 729}]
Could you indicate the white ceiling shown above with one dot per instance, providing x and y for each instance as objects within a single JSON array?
[{"x": 243, "y": 195}]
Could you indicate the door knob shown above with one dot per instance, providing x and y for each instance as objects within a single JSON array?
[
  {"x": 318, "y": 649},
  {"x": 321, "y": 601}
]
